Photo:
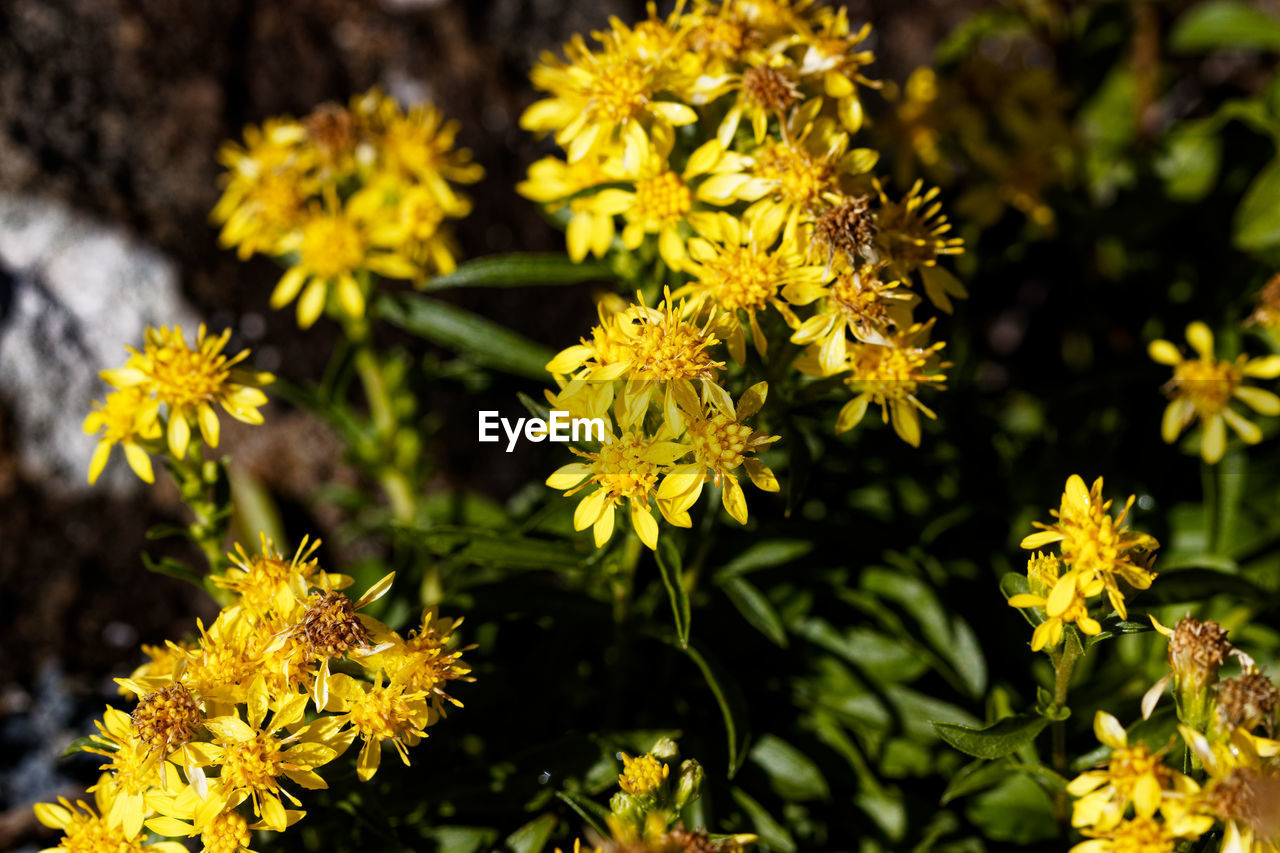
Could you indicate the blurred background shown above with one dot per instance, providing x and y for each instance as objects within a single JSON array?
[{"x": 1094, "y": 220}]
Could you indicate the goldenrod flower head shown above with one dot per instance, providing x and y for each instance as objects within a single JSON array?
[
  {"x": 223, "y": 663},
  {"x": 127, "y": 417},
  {"x": 163, "y": 665},
  {"x": 890, "y": 375},
  {"x": 1203, "y": 388},
  {"x": 1042, "y": 577},
  {"x": 268, "y": 583},
  {"x": 226, "y": 833},
  {"x": 1147, "y": 834},
  {"x": 643, "y": 775},
  {"x": 847, "y": 228},
  {"x": 1133, "y": 775},
  {"x": 417, "y": 142},
  {"x": 428, "y": 660},
  {"x": 379, "y": 712},
  {"x": 90, "y": 831},
  {"x": 167, "y": 718},
  {"x": 831, "y": 51},
  {"x": 1247, "y": 701},
  {"x": 719, "y": 443},
  {"x": 330, "y": 628},
  {"x": 857, "y": 301},
  {"x": 1095, "y": 545},
  {"x": 189, "y": 382},
  {"x": 625, "y": 469},
  {"x": 267, "y": 184},
  {"x": 133, "y": 768},
  {"x": 912, "y": 235},
  {"x": 608, "y": 97},
  {"x": 556, "y": 184}
]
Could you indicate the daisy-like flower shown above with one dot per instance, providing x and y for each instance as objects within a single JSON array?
[
  {"x": 88, "y": 831},
  {"x": 625, "y": 470},
  {"x": 427, "y": 660},
  {"x": 1042, "y": 576},
  {"x": 378, "y": 712},
  {"x": 765, "y": 91},
  {"x": 1203, "y": 388},
  {"x": 1242, "y": 789},
  {"x": 643, "y": 775},
  {"x": 657, "y": 349},
  {"x": 889, "y": 375},
  {"x": 333, "y": 247},
  {"x": 1095, "y": 545},
  {"x": 1148, "y": 834},
  {"x": 133, "y": 768},
  {"x": 256, "y": 756},
  {"x": 720, "y": 443},
  {"x": 228, "y": 832},
  {"x": 831, "y": 52},
  {"x": 557, "y": 184},
  {"x": 268, "y": 583},
  {"x": 128, "y": 417},
  {"x": 856, "y": 301},
  {"x": 190, "y": 382},
  {"x": 609, "y": 97},
  {"x": 409, "y": 217},
  {"x": 912, "y": 236},
  {"x": 741, "y": 270},
  {"x": 1133, "y": 775},
  {"x": 329, "y": 627},
  {"x": 267, "y": 183}
]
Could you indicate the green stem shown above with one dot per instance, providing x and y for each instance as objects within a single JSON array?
[{"x": 1063, "y": 665}]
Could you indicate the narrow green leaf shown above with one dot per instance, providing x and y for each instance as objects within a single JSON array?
[
  {"x": 533, "y": 836},
  {"x": 756, "y": 609},
  {"x": 765, "y": 555},
  {"x": 1257, "y": 221},
  {"x": 670, "y": 567},
  {"x": 1225, "y": 24},
  {"x": 792, "y": 774},
  {"x": 492, "y": 548},
  {"x": 172, "y": 568},
  {"x": 484, "y": 341},
  {"x": 593, "y": 813},
  {"x": 772, "y": 834},
  {"x": 732, "y": 707},
  {"x": 975, "y": 776},
  {"x": 995, "y": 741},
  {"x": 520, "y": 270},
  {"x": 79, "y": 745}
]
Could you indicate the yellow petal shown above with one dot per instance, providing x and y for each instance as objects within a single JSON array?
[
  {"x": 311, "y": 305},
  {"x": 1164, "y": 352},
  {"x": 350, "y": 296},
  {"x": 735, "y": 502},
  {"x": 643, "y": 522},
  {"x": 99, "y": 461},
  {"x": 290, "y": 283},
  {"x": 568, "y": 476},
  {"x": 1214, "y": 442},
  {"x": 179, "y": 434},
  {"x": 208, "y": 420},
  {"x": 1177, "y": 415},
  {"x": 1108, "y": 730},
  {"x": 1201, "y": 339},
  {"x": 1063, "y": 593},
  {"x": 1260, "y": 400},
  {"x": 851, "y": 414},
  {"x": 602, "y": 530},
  {"x": 1246, "y": 429}
]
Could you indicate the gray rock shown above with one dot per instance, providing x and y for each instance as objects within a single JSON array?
[{"x": 73, "y": 293}]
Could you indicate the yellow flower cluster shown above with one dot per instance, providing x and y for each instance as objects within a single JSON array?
[
  {"x": 1098, "y": 552},
  {"x": 225, "y": 726},
  {"x": 650, "y": 374},
  {"x": 644, "y": 814},
  {"x": 1203, "y": 388},
  {"x": 718, "y": 142},
  {"x": 344, "y": 193},
  {"x": 1227, "y": 725},
  {"x": 188, "y": 382}
]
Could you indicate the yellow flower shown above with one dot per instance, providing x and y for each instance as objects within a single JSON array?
[
  {"x": 127, "y": 417},
  {"x": 407, "y": 219},
  {"x": 1042, "y": 572},
  {"x": 720, "y": 443},
  {"x": 855, "y": 300},
  {"x": 831, "y": 53},
  {"x": 87, "y": 831},
  {"x": 133, "y": 768},
  {"x": 742, "y": 268},
  {"x": 333, "y": 249},
  {"x": 889, "y": 375},
  {"x": 765, "y": 91},
  {"x": 654, "y": 349},
  {"x": 1147, "y": 834},
  {"x": 1242, "y": 788},
  {"x": 625, "y": 470},
  {"x": 555, "y": 183},
  {"x": 643, "y": 775},
  {"x": 1133, "y": 775},
  {"x": 379, "y": 712},
  {"x": 227, "y": 832},
  {"x": 190, "y": 382},
  {"x": 267, "y": 184},
  {"x": 606, "y": 98},
  {"x": 253, "y": 759},
  {"x": 427, "y": 661},
  {"x": 911, "y": 235},
  {"x": 1095, "y": 545},
  {"x": 1203, "y": 389},
  {"x": 267, "y": 583}
]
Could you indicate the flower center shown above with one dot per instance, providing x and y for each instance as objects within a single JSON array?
[
  {"x": 662, "y": 198},
  {"x": 253, "y": 763},
  {"x": 167, "y": 718},
  {"x": 641, "y": 775},
  {"x": 769, "y": 89},
  {"x": 622, "y": 471},
  {"x": 1130, "y": 764},
  {"x": 330, "y": 627},
  {"x": 1207, "y": 384},
  {"x": 181, "y": 375},
  {"x": 619, "y": 89},
  {"x": 719, "y": 443},
  {"x": 800, "y": 178},
  {"x": 331, "y": 246},
  {"x": 227, "y": 833},
  {"x": 383, "y": 712},
  {"x": 744, "y": 277},
  {"x": 671, "y": 350},
  {"x": 96, "y": 836}
]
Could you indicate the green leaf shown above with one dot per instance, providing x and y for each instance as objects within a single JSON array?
[
  {"x": 792, "y": 774},
  {"x": 174, "y": 569},
  {"x": 756, "y": 609},
  {"x": 1257, "y": 223},
  {"x": 975, "y": 776},
  {"x": 79, "y": 745},
  {"x": 773, "y": 836},
  {"x": 1017, "y": 810},
  {"x": 533, "y": 836},
  {"x": 592, "y": 812},
  {"x": 1225, "y": 24},
  {"x": 1183, "y": 585},
  {"x": 997, "y": 740},
  {"x": 520, "y": 270},
  {"x": 732, "y": 706},
  {"x": 1189, "y": 162},
  {"x": 491, "y": 548},
  {"x": 669, "y": 565},
  {"x": 484, "y": 341},
  {"x": 765, "y": 555}
]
